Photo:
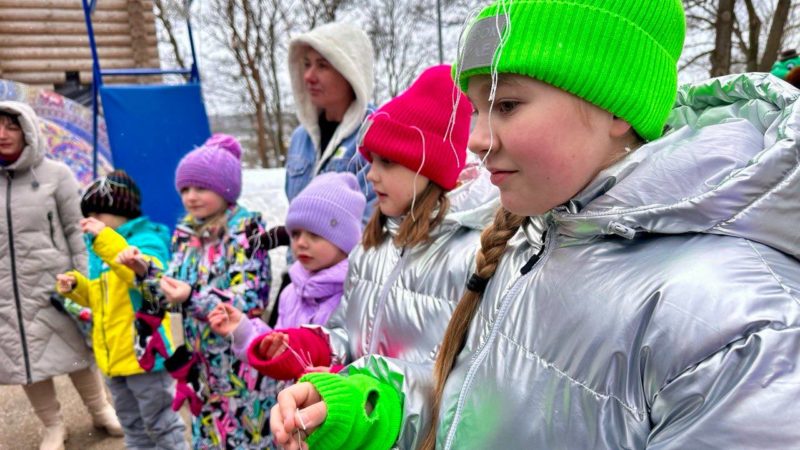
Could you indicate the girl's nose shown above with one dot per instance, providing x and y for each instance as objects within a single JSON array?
[
  {"x": 480, "y": 139},
  {"x": 372, "y": 175},
  {"x": 190, "y": 193}
]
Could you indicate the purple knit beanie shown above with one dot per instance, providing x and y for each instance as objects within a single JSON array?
[
  {"x": 216, "y": 165},
  {"x": 330, "y": 206}
]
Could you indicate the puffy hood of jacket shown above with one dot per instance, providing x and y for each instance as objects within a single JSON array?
[
  {"x": 662, "y": 312},
  {"x": 348, "y": 49},
  {"x": 35, "y": 143},
  {"x": 739, "y": 177},
  {"x": 473, "y": 204}
]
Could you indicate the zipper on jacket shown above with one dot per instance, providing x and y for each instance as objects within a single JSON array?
[
  {"x": 9, "y": 177},
  {"x": 373, "y": 343},
  {"x": 102, "y": 318},
  {"x": 478, "y": 358},
  {"x": 52, "y": 230}
]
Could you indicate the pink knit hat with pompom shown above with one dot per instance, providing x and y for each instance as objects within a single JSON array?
[{"x": 216, "y": 165}]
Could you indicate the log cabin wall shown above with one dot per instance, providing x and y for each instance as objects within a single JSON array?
[{"x": 41, "y": 40}]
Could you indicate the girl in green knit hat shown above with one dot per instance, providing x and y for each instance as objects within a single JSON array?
[{"x": 638, "y": 288}]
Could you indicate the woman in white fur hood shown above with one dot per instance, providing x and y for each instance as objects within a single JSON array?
[{"x": 331, "y": 70}]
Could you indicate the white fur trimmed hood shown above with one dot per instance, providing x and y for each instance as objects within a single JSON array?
[
  {"x": 348, "y": 49},
  {"x": 35, "y": 142}
]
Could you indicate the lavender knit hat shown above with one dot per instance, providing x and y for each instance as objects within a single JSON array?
[
  {"x": 330, "y": 206},
  {"x": 216, "y": 165}
]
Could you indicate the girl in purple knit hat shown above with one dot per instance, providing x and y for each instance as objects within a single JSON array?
[
  {"x": 324, "y": 221},
  {"x": 213, "y": 262}
]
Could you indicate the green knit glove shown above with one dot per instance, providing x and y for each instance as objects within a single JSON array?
[{"x": 348, "y": 426}]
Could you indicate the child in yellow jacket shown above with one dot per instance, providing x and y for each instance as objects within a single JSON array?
[{"x": 142, "y": 397}]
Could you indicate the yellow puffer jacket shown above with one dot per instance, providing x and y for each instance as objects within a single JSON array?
[{"x": 110, "y": 292}]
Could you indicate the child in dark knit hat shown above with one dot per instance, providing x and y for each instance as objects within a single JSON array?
[
  {"x": 213, "y": 262},
  {"x": 112, "y": 223},
  {"x": 324, "y": 221}
]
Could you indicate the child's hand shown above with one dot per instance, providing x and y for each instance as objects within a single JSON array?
[
  {"x": 92, "y": 226},
  {"x": 224, "y": 319},
  {"x": 65, "y": 283},
  {"x": 273, "y": 344},
  {"x": 132, "y": 258},
  {"x": 175, "y": 291},
  {"x": 300, "y": 410}
]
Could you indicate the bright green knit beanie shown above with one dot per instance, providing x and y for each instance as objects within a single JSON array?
[{"x": 620, "y": 55}]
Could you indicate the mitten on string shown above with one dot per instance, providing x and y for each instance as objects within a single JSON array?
[
  {"x": 148, "y": 342},
  {"x": 183, "y": 366}
]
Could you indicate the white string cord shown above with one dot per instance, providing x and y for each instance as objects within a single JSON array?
[
  {"x": 504, "y": 34},
  {"x": 416, "y": 175},
  {"x": 361, "y": 133},
  {"x": 104, "y": 187}
]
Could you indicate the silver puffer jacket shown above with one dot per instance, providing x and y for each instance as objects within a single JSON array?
[
  {"x": 664, "y": 311},
  {"x": 397, "y": 302}
]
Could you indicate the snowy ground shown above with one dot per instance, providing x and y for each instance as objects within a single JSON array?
[{"x": 262, "y": 191}]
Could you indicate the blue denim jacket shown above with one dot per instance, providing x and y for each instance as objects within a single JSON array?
[{"x": 302, "y": 158}]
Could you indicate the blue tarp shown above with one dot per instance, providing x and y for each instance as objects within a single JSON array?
[{"x": 150, "y": 128}]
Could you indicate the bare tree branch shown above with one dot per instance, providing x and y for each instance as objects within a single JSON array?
[
  {"x": 694, "y": 59},
  {"x": 775, "y": 36},
  {"x": 162, "y": 16}
]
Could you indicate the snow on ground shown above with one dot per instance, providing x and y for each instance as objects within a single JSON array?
[{"x": 262, "y": 191}]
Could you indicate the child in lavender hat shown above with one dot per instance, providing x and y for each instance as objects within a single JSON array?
[
  {"x": 324, "y": 222},
  {"x": 212, "y": 262}
]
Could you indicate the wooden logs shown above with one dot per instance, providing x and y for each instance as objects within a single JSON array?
[{"x": 40, "y": 40}]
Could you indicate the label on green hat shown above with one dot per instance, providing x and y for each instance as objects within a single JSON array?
[{"x": 482, "y": 42}]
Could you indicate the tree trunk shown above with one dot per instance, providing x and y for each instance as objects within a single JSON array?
[
  {"x": 775, "y": 35},
  {"x": 721, "y": 56},
  {"x": 278, "y": 147},
  {"x": 753, "y": 36},
  {"x": 261, "y": 134}
]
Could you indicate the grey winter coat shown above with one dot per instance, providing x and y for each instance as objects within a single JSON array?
[
  {"x": 39, "y": 238},
  {"x": 397, "y": 302},
  {"x": 664, "y": 310}
]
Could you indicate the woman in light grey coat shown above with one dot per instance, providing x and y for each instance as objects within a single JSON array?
[{"x": 39, "y": 238}]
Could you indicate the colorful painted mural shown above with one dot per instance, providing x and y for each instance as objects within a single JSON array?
[{"x": 68, "y": 127}]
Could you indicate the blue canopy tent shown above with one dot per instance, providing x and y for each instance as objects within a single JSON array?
[{"x": 150, "y": 127}]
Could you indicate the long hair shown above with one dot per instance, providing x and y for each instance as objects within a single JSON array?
[
  {"x": 429, "y": 211},
  {"x": 212, "y": 228},
  {"x": 494, "y": 241}
]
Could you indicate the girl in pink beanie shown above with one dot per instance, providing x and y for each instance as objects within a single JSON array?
[
  {"x": 213, "y": 262},
  {"x": 414, "y": 257}
]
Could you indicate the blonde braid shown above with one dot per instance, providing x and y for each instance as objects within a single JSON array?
[{"x": 494, "y": 241}]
